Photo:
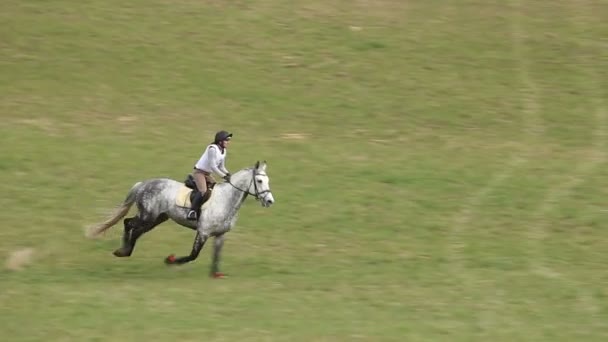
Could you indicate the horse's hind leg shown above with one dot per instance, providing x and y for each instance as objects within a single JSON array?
[
  {"x": 130, "y": 224},
  {"x": 135, "y": 227}
]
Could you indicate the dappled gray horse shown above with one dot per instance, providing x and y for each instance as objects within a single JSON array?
[{"x": 159, "y": 200}]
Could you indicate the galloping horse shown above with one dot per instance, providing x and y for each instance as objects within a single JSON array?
[{"x": 161, "y": 199}]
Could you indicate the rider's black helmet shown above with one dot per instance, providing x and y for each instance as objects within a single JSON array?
[{"x": 222, "y": 135}]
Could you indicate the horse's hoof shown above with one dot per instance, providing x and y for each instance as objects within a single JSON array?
[
  {"x": 170, "y": 260},
  {"x": 218, "y": 275},
  {"x": 121, "y": 253}
]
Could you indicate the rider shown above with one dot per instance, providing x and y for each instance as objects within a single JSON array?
[{"x": 212, "y": 161}]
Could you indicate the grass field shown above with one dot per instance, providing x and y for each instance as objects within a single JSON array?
[{"x": 439, "y": 168}]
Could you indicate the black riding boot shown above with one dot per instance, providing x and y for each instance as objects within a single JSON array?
[
  {"x": 195, "y": 207},
  {"x": 198, "y": 201}
]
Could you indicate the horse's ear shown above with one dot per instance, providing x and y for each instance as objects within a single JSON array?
[
  {"x": 257, "y": 164},
  {"x": 263, "y": 166}
]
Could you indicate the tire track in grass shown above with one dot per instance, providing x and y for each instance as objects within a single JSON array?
[
  {"x": 533, "y": 128},
  {"x": 538, "y": 230},
  {"x": 532, "y": 131},
  {"x": 586, "y": 297}
]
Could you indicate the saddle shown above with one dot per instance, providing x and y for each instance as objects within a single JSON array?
[
  {"x": 190, "y": 183},
  {"x": 186, "y": 195}
]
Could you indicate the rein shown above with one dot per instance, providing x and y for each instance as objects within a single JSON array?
[{"x": 255, "y": 187}]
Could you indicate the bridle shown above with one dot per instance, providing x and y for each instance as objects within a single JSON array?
[{"x": 257, "y": 193}]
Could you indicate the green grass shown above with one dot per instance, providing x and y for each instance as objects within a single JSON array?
[{"x": 439, "y": 168}]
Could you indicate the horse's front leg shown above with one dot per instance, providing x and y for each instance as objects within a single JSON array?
[
  {"x": 197, "y": 246},
  {"x": 218, "y": 243}
]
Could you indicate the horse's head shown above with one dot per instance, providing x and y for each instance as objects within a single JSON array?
[{"x": 260, "y": 186}]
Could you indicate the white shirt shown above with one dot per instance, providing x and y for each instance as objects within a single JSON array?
[{"x": 213, "y": 160}]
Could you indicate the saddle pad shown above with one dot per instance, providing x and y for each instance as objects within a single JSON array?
[{"x": 182, "y": 198}]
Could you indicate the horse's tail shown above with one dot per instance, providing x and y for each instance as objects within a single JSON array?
[{"x": 120, "y": 212}]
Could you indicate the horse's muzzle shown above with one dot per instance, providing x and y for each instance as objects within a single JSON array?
[{"x": 267, "y": 200}]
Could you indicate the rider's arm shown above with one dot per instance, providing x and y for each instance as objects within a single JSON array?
[
  {"x": 223, "y": 166},
  {"x": 214, "y": 161}
]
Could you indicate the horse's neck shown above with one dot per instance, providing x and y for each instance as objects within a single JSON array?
[{"x": 235, "y": 193}]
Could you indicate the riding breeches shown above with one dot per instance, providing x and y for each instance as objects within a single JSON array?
[{"x": 201, "y": 179}]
